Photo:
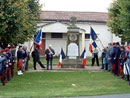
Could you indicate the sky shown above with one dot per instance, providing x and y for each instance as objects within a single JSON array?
[{"x": 76, "y": 5}]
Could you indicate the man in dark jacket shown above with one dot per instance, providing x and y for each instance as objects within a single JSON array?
[
  {"x": 49, "y": 56},
  {"x": 36, "y": 58},
  {"x": 117, "y": 57}
]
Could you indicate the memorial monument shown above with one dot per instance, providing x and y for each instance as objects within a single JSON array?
[{"x": 73, "y": 47}]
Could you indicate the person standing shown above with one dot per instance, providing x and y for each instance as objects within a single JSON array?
[
  {"x": 95, "y": 56},
  {"x": 49, "y": 56},
  {"x": 128, "y": 64},
  {"x": 105, "y": 59},
  {"x": 3, "y": 71},
  {"x": 112, "y": 58},
  {"x": 117, "y": 58},
  {"x": 26, "y": 58},
  {"x": 110, "y": 51},
  {"x": 36, "y": 58},
  {"x": 102, "y": 57},
  {"x": 19, "y": 60},
  {"x": 13, "y": 50},
  {"x": 122, "y": 60}
]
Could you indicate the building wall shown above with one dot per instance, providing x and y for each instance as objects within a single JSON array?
[
  {"x": 104, "y": 35},
  {"x": 101, "y": 30},
  {"x": 55, "y": 27},
  {"x": 57, "y": 43}
]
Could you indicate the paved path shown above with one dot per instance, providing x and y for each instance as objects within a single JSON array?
[
  {"x": 106, "y": 96},
  {"x": 58, "y": 69}
]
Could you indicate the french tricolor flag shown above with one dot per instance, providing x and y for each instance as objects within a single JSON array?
[
  {"x": 84, "y": 58},
  {"x": 91, "y": 48},
  {"x": 38, "y": 39},
  {"x": 62, "y": 56}
]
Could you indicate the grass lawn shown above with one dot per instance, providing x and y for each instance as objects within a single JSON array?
[{"x": 61, "y": 84}]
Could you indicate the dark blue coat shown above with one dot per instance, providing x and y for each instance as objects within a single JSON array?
[
  {"x": 19, "y": 54},
  {"x": 35, "y": 55},
  {"x": 49, "y": 53}
]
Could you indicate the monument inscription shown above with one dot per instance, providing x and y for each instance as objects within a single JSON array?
[{"x": 72, "y": 51}]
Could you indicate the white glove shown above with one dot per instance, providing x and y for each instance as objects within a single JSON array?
[{"x": 7, "y": 65}]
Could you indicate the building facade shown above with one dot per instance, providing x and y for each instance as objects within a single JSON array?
[{"x": 54, "y": 27}]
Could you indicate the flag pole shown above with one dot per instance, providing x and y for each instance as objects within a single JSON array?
[
  {"x": 31, "y": 47},
  {"x": 99, "y": 40},
  {"x": 99, "y": 49}
]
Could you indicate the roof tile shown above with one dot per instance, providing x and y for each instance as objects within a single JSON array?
[{"x": 82, "y": 16}]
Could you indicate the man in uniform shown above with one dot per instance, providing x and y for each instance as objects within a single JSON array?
[
  {"x": 49, "y": 56},
  {"x": 19, "y": 60},
  {"x": 116, "y": 58},
  {"x": 113, "y": 61},
  {"x": 13, "y": 50}
]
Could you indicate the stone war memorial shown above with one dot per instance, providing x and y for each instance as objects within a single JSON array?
[{"x": 72, "y": 47}]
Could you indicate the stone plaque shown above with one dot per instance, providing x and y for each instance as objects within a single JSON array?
[{"x": 72, "y": 50}]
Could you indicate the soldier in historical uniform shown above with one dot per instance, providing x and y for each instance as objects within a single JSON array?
[
  {"x": 4, "y": 66},
  {"x": 49, "y": 56},
  {"x": 2, "y": 78},
  {"x": 112, "y": 57},
  {"x": 9, "y": 60},
  {"x": 117, "y": 58},
  {"x": 13, "y": 50},
  {"x": 19, "y": 60},
  {"x": 123, "y": 58},
  {"x": 36, "y": 58}
]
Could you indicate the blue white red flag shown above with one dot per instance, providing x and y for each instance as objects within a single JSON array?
[
  {"x": 62, "y": 56},
  {"x": 38, "y": 39},
  {"x": 91, "y": 48},
  {"x": 83, "y": 55},
  {"x": 93, "y": 34},
  {"x": 94, "y": 44}
]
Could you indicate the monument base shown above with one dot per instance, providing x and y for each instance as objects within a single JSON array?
[{"x": 72, "y": 63}]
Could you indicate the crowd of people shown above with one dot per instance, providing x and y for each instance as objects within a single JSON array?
[
  {"x": 23, "y": 58},
  {"x": 9, "y": 56},
  {"x": 7, "y": 61},
  {"x": 116, "y": 59}
]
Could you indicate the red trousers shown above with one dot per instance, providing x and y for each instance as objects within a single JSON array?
[
  {"x": 19, "y": 64},
  {"x": 113, "y": 67}
]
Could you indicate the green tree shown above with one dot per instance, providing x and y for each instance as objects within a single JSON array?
[
  {"x": 18, "y": 20},
  {"x": 119, "y": 15}
]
